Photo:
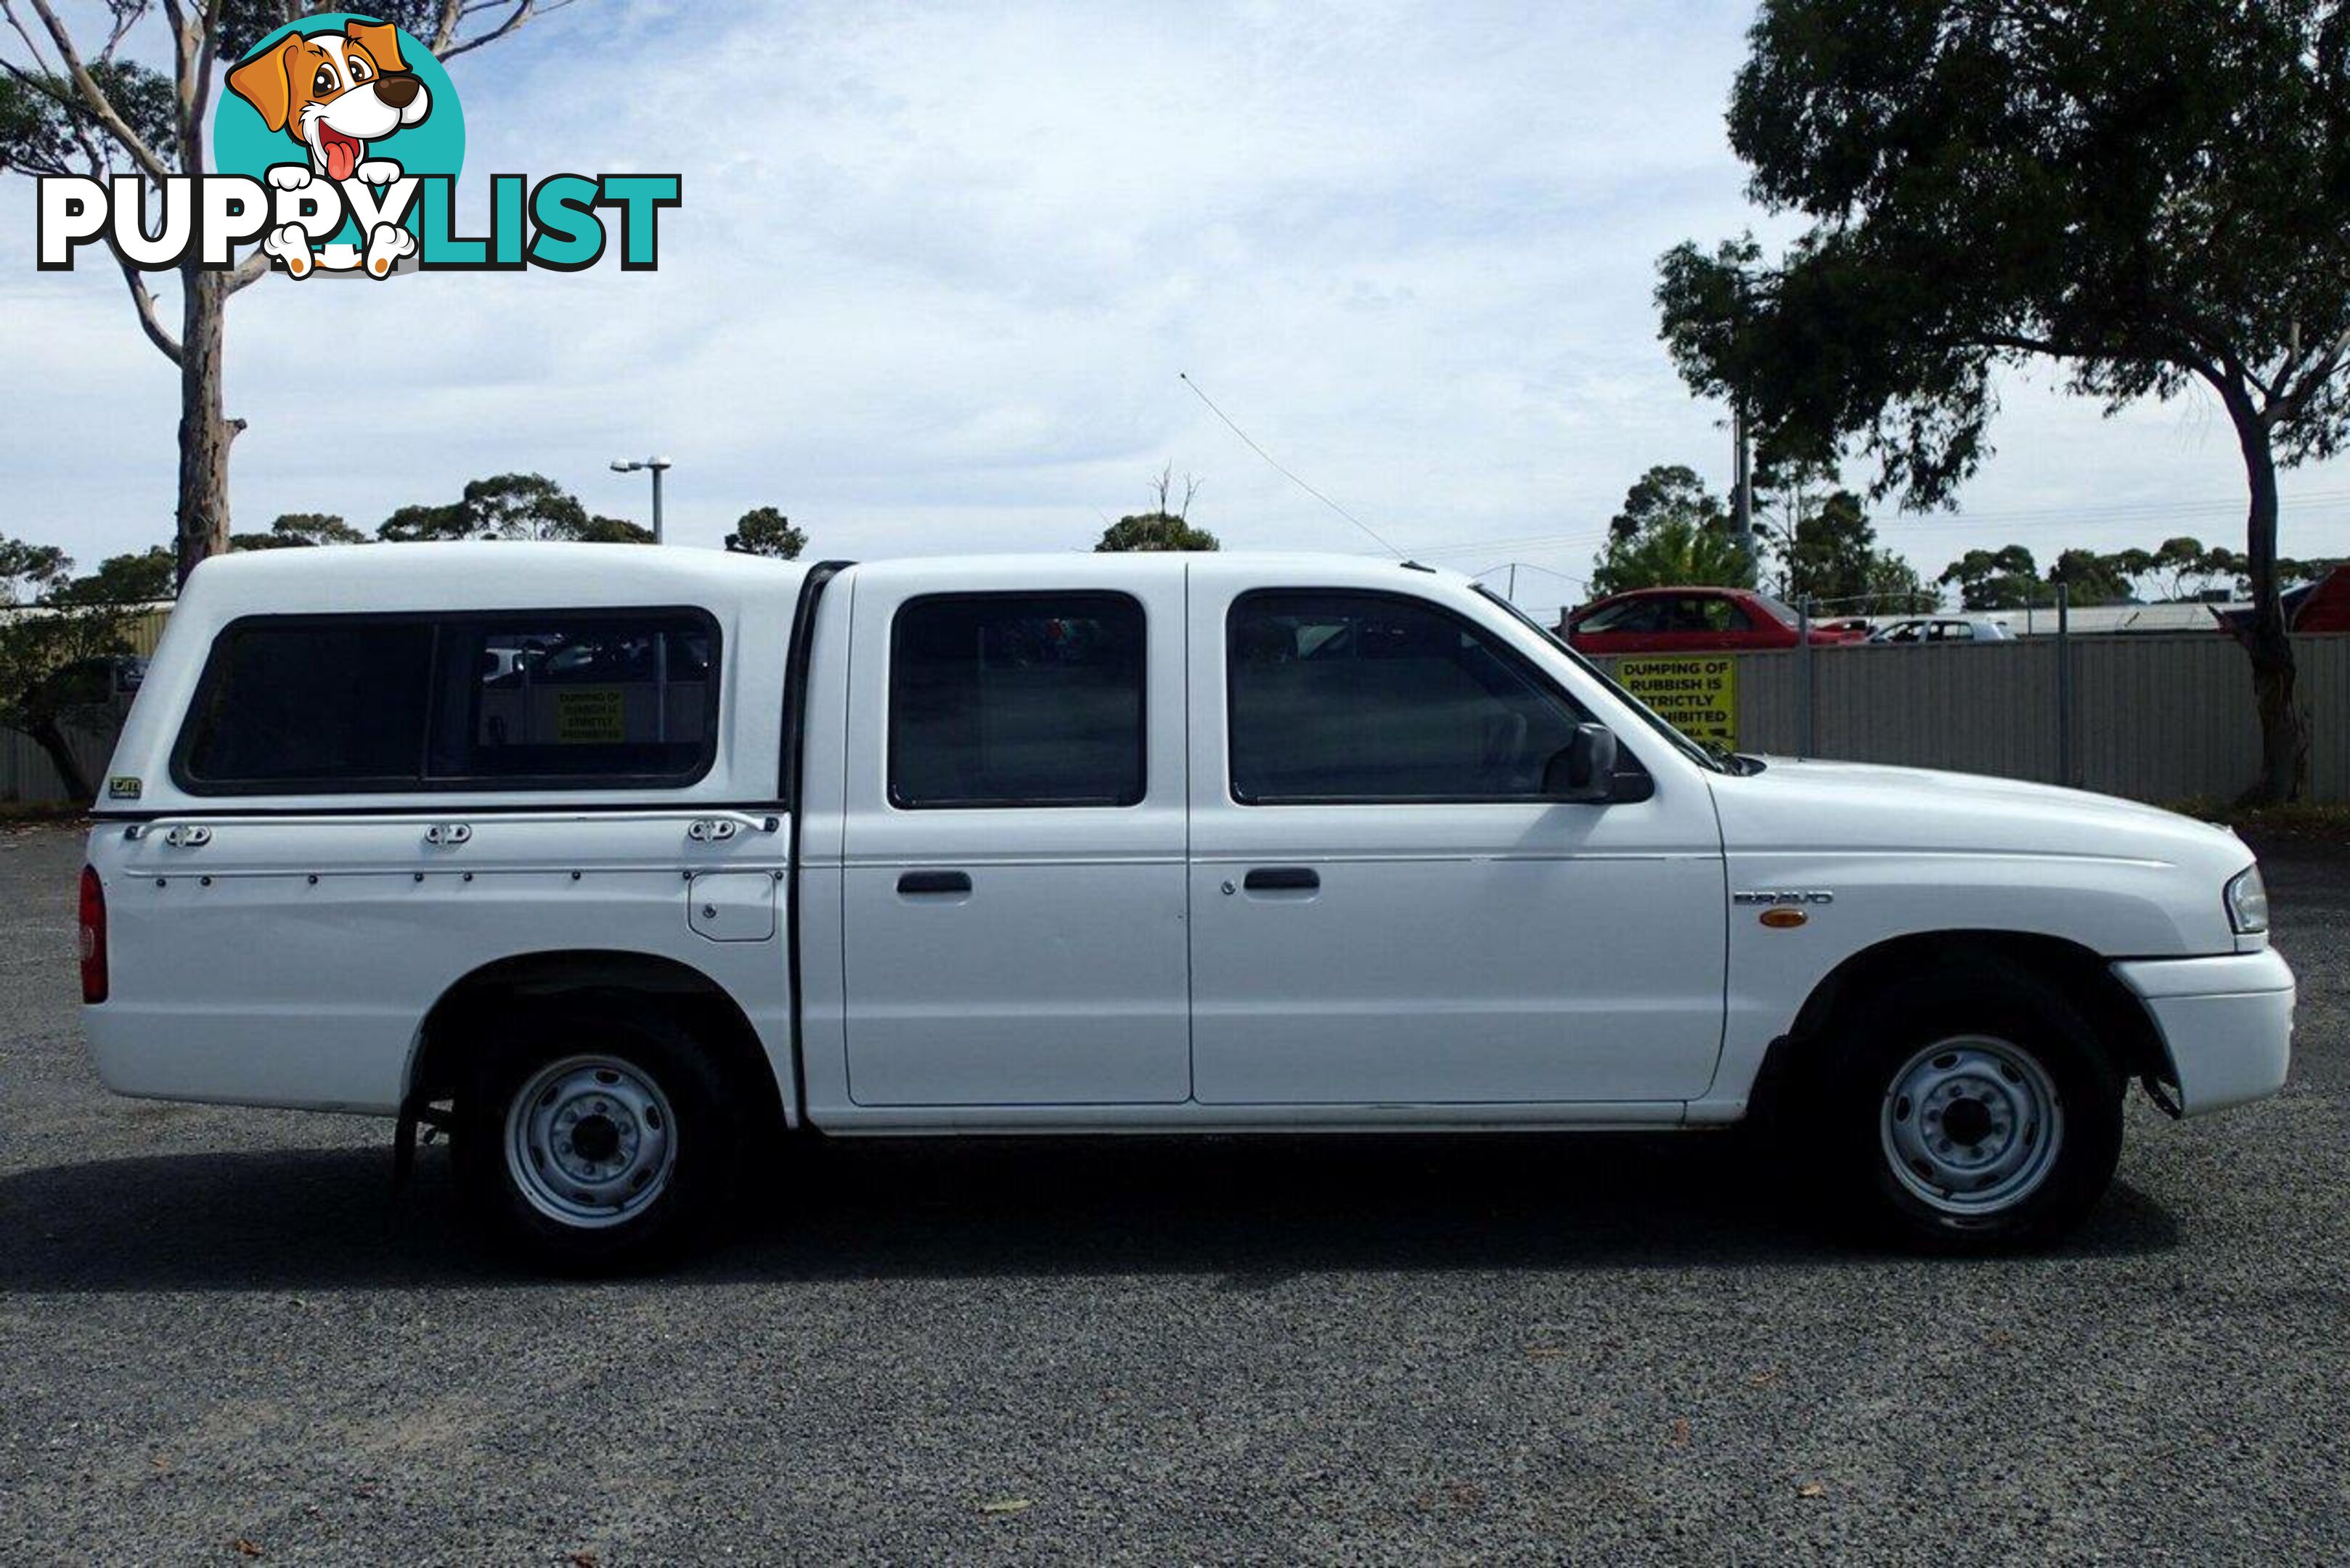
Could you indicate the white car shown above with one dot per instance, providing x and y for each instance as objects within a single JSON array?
[
  {"x": 1944, "y": 629},
  {"x": 745, "y": 850}
]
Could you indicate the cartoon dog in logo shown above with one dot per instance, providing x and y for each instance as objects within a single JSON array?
[{"x": 333, "y": 93}]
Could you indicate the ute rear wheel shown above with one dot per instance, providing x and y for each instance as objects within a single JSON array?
[
  {"x": 1973, "y": 1108},
  {"x": 595, "y": 1145},
  {"x": 590, "y": 1140}
]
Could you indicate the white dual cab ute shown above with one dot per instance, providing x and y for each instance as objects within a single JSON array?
[{"x": 630, "y": 866}]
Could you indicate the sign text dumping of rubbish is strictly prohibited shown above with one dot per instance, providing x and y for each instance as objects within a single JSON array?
[{"x": 1698, "y": 696}]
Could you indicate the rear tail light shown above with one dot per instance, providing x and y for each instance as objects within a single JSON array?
[{"x": 93, "y": 936}]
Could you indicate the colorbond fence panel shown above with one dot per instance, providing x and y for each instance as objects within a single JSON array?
[
  {"x": 2157, "y": 718},
  {"x": 27, "y": 777}
]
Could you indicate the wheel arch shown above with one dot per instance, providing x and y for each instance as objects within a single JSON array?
[
  {"x": 608, "y": 980},
  {"x": 2121, "y": 1020}
]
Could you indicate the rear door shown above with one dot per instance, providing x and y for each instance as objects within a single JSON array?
[{"x": 1013, "y": 885}]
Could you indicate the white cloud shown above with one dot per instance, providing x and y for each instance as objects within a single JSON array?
[{"x": 938, "y": 268}]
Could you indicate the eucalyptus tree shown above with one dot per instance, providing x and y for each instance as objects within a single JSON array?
[
  {"x": 86, "y": 99},
  {"x": 2151, "y": 195}
]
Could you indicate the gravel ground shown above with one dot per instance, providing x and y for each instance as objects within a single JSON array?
[{"x": 221, "y": 1336}]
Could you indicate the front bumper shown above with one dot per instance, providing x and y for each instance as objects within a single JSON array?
[{"x": 2226, "y": 1023}]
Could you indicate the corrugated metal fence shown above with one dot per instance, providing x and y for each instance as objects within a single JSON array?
[
  {"x": 26, "y": 775},
  {"x": 2156, "y": 718}
]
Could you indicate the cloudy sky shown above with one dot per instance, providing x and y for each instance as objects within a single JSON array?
[{"x": 939, "y": 268}]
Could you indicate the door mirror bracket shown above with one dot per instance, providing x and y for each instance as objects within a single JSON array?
[{"x": 1584, "y": 770}]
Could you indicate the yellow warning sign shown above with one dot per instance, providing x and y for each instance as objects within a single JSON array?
[
  {"x": 1699, "y": 696},
  {"x": 591, "y": 715}
]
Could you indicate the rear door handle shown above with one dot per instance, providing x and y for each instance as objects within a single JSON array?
[
  {"x": 934, "y": 882},
  {"x": 1282, "y": 878}
]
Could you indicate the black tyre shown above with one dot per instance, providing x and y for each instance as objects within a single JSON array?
[
  {"x": 595, "y": 1145},
  {"x": 1972, "y": 1108}
]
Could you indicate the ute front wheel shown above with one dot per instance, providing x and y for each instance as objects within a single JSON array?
[
  {"x": 1971, "y": 1127},
  {"x": 1971, "y": 1110}
]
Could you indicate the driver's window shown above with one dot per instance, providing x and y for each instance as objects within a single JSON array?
[{"x": 1373, "y": 697}]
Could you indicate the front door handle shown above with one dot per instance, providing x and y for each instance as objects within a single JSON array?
[
  {"x": 934, "y": 882},
  {"x": 1282, "y": 879}
]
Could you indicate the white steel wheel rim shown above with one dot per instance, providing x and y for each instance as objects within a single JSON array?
[
  {"x": 1972, "y": 1126},
  {"x": 590, "y": 1141}
]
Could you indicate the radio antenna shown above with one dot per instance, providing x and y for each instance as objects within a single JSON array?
[{"x": 1185, "y": 378}]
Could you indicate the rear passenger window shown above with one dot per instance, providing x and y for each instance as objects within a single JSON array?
[
  {"x": 1342, "y": 697},
  {"x": 1012, "y": 700},
  {"x": 362, "y": 704}
]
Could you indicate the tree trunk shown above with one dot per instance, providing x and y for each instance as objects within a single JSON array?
[
  {"x": 2284, "y": 737},
  {"x": 51, "y": 738},
  {"x": 204, "y": 434}
]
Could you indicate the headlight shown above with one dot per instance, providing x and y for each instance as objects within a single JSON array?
[{"x": 2248, "y": 902}]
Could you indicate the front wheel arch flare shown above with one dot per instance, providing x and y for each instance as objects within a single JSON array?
[{"x": 2123, "y": 1024}]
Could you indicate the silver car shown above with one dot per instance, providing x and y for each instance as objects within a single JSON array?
[{"x": 1944, "y": 629}]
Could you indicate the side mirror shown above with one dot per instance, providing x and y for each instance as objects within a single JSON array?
[{"x": 1586, "y": 768}]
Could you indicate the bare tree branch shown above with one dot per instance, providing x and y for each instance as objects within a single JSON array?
[
  {"x": 2270, "y": 387},
  {"x": 447, "y": 45},
  {"x": 46, "y": 86},
  {"x": 92, "y": 149},
  {"x": 32, "y": 46},
  {"x": 183, "y": 56},
  {"x": 197, "y": 104},
  {"x": 95, "y": 97},
  {"x": 125, "y": 18},
  {"x": 2322, "y": 369},
  {"x": 149, "y": 321},
  {"x": 250, "y": 271}
]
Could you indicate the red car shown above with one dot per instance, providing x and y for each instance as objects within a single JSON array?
[{"x": 1689, "y": 620}]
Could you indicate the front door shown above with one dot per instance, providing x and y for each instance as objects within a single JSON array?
[
  {"x": 1386, "y": 910},
  {"x": 1014, "y": 887}
]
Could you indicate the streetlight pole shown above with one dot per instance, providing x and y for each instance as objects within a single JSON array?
[
  {"x": 1741, "y": 483},
  {"x": 659, "y": 465}
]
